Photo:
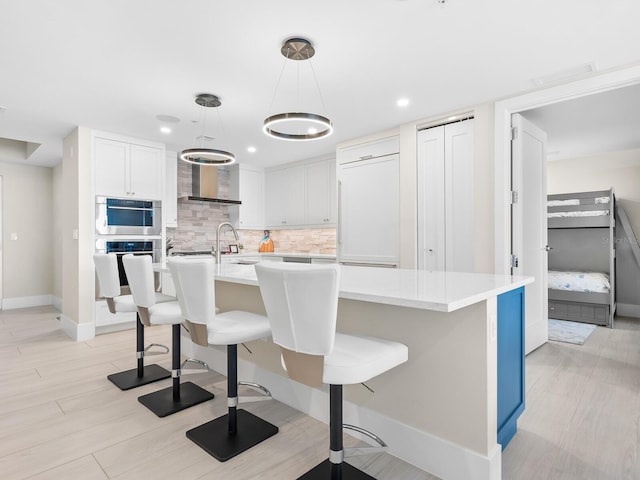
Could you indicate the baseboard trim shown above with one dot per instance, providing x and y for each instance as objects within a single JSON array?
[
  {"x": 628, "y": 310},
  {"x": 56, "y": 302},
  {"x": 427, "y": 452},
  {"x": 26, "y": 302},
  {"x": 77, "y": 331}
]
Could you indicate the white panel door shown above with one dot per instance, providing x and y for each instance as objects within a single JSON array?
[
  {"x": 369, "y": 203},
  {"x": 145, "y": 172},
  {"x": 529, "y": 225},
  {"x": 459, "y": 196},
  {"x": 111, "y": 163},
  {"x": 431, "y": 207}
]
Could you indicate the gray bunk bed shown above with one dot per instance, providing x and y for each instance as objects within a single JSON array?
[{"x": 582, "y": 258}]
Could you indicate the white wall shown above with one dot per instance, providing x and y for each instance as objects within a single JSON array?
[
  {"x": 27, "y": 261},
  {"x": 620, "y": 170}
]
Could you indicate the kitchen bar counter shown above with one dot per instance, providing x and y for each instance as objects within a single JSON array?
[
  {"x": 439, "y": 410},
  {"x": 439, "y": 291}
]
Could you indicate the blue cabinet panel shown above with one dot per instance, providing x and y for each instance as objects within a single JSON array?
[{"x": 510, "y": 363}]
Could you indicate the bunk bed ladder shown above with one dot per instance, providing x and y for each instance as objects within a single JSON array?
[{"x": 628, "y": 230}]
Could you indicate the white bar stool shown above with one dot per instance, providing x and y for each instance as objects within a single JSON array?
[
  {"x": 179, "y": 396},
  {"x": 238, "y": 430},
  {"x": 302, "y": 304},
  {"x": 109, "y": 285}
]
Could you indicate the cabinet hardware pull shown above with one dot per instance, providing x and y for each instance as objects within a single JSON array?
[{"x": 366, "y": 157}]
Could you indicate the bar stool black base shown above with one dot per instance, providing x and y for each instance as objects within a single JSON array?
[
  {"x": 322, "y": 471},
  {"x": 162, "y": 403},
  {"x": 214, "y": 438},
  {"x": 129, "y": 379}
]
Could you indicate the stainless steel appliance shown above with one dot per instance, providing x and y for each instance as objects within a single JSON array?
[
  {"x": 118, "y": 216},
  {"x": 121, "y": 247}
]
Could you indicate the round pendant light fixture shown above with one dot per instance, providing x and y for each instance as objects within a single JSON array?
[
  {"x": 299, "y": 125},
  {"x": 207, "y": 156}
]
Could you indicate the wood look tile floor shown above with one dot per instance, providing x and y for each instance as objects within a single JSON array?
[{"x": 60, "y": 418}]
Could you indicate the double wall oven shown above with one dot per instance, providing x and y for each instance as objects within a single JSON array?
[{"x": 128, "y": 226}]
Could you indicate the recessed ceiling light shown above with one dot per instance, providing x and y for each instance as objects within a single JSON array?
[
  {"x": 167, "y": 118},
  {"x": 251, "y": 149},
  {"x": 402, "y": 102},
  {"x": 165, "y": 130}
]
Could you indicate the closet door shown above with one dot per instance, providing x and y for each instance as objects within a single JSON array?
[
  {"x": 459, "y": 196},
  {"x": 446, "y": 198},
  {"x": 431, "y": 209}
]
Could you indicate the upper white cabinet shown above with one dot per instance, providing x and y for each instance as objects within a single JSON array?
[
  {"x": 446, "y": 198},
  {"x": 369, "y": 203},
  {"x": 320, "y": 193},
  {"x": 247, "y": 185},
  {"x": 285, "y": 197},
  {"x": 128, "y": 170},
  {"x": 170, "y": 199},
  {"x": 301, "y": 196}
]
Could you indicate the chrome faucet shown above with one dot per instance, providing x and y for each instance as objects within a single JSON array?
[{"x": 218, "y": 253}]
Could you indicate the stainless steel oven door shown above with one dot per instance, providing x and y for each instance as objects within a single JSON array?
[
  {"x": 121, "y": 247},
  {"x": 117, "y": 216}
]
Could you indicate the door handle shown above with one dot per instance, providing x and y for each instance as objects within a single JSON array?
[{"x": 548, "y": 248}]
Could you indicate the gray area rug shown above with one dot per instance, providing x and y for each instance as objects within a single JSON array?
[{"x": 569, "y": 332}]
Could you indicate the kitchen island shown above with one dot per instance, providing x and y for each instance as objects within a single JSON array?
[{"x": 439, "y": 410}]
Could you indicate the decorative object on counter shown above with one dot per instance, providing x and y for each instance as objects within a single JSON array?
[
  {"x": 266, "y": 244},
  {"x": 233, "y": 248},
  {"x": 298, "y": 125},
  {"x": 241, "y": 247},
  {"x": 202, "y": 155}
]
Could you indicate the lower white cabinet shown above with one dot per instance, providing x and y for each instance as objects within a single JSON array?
[{"x": 369, "y": 211}]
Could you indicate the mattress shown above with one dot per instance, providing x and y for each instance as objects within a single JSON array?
[
  {"x": 579, "y": 281},
  {"x": 579, "y": 213}
]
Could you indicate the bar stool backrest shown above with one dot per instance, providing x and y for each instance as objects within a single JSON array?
[
  {"x": 108, "y": 279},
  {"x": 195, "y": 289},
  {"x": 139, "y": 272},
  {"x": 302, "y": 305}
]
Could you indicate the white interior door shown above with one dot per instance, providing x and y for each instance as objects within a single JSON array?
[
  {"x": 529, "y": 225},
  {"x": 431, "y": 208}
]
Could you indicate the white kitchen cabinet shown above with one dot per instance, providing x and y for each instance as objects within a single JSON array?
[
  {"x": 126, "y": 170},
  {"x": 170, "y": 197},
  {"x": 369, "y": 210},
  {"x": 247, "y": 185},
  {"x": 446, "y": 197},
  {"x": 285, "y": 197},
  {"x": 320, "y": 192}
]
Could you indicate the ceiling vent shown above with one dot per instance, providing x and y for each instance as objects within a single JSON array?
[{"x": 567, "y": 75}]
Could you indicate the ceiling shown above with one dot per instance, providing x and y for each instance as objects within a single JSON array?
[
  {"x": 595, "y": 124},
  {"x": 115, "y": 65}
]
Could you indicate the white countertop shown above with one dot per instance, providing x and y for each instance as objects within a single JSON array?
[{"x": 439, "y": 291}]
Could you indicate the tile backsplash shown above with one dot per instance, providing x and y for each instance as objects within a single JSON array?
[{"x": 197, "y": 223}]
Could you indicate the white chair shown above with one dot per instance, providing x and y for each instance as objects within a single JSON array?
[
  {"x": 302, "y": 303},
  {"x": 179, "y": 396},
  {"x": 238, "y": 430},
  {"x": 109, "y": 287}
]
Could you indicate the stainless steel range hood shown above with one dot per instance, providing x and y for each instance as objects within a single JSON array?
[{"x": 204, "y": 186}]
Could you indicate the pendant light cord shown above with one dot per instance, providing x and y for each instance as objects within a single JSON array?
[{"x": 275, "y": 92}]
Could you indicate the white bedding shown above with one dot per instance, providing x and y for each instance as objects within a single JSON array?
[
  {"x": 579, "y": 213},
  {"x": 579, "y": 281},
  {"x": 574, "y": 201}
]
